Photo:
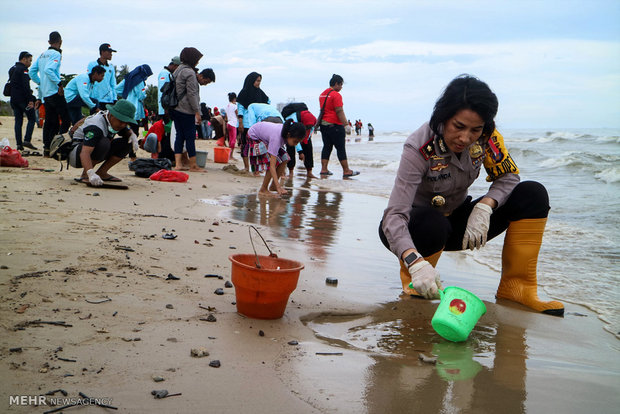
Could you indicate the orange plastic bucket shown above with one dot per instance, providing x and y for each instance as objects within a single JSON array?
[
  {"x": 262, "y": 293},
  {"x": 221, "y": 154}
]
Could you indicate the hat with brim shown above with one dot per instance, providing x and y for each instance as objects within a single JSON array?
[
  {"x": 105, "y": 47},
  {"x": 123, "y": 110}
]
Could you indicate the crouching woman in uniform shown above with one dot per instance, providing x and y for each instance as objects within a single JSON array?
[
  {"x": 429, "y": 210},
  {"x": 95, "y": 141}
]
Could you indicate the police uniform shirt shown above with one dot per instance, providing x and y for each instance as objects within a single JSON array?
[{"x": 430, "y": 175}]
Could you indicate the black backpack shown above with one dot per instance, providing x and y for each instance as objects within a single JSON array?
[
  {"x": 60, "y": 147},
  {"x": 294, "y": 107},
  {"x": 169, "y": 98},
  {"x": 7, "y": 86}
]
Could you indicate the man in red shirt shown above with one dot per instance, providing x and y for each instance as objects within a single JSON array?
[{"x": 333, "y": 121}]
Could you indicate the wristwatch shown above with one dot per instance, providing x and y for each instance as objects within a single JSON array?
[{"x": 412, "y": 257}]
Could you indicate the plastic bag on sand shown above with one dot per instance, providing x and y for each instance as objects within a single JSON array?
[
  {"x": 170, "y": 176},
  {"x": 145, "y": 167},
  {"x": 12, "y": 158},
  {"x": 4, "y": 143}
]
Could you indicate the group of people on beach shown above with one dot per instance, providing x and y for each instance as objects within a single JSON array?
[
  {"x": 263, "y": 149},
  {"x": 429, "y": 210}
]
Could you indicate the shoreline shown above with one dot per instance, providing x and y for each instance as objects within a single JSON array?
[{"x": 527, "y": 361}]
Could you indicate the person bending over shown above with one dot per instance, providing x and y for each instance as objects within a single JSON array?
[
  {"x": 95, "y": 141},
  {"x": 266, "y": 142}
]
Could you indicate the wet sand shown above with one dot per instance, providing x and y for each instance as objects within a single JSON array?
[{"x": 65, "y": 248}]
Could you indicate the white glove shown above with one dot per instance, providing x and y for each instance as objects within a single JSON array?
[
  {"x": 425, "y": 279},
  {"x": 347, "y": 129},
  {"x": 94, "y": 179},
  {"x": 133, "y": 140},
  {"x": 477, "y": 227}
]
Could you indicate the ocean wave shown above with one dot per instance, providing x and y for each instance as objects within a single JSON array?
[
  {"x": 524, "y": 152},
  {"x": 609, "y": 175},
  {"x": 614, "y": 139},
  {"x": 594, "y": 162},
  {"x": 565, "y": 136}
]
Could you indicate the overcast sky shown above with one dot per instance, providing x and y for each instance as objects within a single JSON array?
[{"x": 553, "y": 64}]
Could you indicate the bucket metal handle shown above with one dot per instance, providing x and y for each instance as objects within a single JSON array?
[{"x": 271, "y": 254}]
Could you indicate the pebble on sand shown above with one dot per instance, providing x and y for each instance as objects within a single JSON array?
[{"x": 199, "y": 352}]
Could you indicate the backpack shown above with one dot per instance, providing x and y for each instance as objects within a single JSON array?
[
  {"x": 294, "y": 107},
  {"x": 60, "y": 147},
  {"x": 169, "y": 98},
  {"x": 7, "y": 86}
]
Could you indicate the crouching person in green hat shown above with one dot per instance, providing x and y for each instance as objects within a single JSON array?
[{"x": 95, "y": 141}]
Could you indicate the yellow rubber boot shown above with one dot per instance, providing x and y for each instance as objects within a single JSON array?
[
  {"x": 434, "y": 258},
  {"x": 405, "y": 277},
  {"x": 519, "y": 260}
]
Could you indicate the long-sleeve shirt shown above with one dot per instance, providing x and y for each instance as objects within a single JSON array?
[
  {"x": 257, "y": 112},
  {"x": 19, "y": 79},
  {"x": 104, "y": 91},
  {"x": 428, "y": 168},
  {"x": 242, "y": 112},
  {"x": 269, "y": 134},
  {"x": 187, "y": 89},
  {"x": 45, "y": 72},
  {"x": 136, "y": 96},
  {"x": 162, "y": 78},
  {"x": 80, "y": 85}
]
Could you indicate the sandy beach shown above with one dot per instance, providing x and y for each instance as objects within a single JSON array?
[{"x": 95, "y": 260}]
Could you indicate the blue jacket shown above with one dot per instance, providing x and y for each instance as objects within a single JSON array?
[
  {"x": 257, "y": 112},
  {"x": 162, "y": 78},
  {"x": 105, "y": 91},
  {"x": 83, "y": 86},
  {"x": 136, "y": 96},
  {"x": 45, "y": 72}
]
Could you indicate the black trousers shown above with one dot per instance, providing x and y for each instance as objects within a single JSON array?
[
  {"x": 333, "y": 136},
  {"x": 104, "y": 149},
  {"x": 308, "y": 156},
  {"x": 431, "y": 231},
  {"x": 55, "y": 108}
]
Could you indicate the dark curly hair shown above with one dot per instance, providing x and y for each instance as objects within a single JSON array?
[{"x": 466, "y": 92}]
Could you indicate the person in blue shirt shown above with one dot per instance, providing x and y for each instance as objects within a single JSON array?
[
  {"x": 46, "y": 73},
  {"x": 105, "y": 91},
  {"x": 133, "y": 89},
  {"x": 162, "y": 78},
  {"x": 79, "y": 90},
  {"x": 259, "y": 112}
]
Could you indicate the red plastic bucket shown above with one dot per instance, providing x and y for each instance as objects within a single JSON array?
[
  {"x": 263, "y": 292},
  {"x": 221, "y": 154}
]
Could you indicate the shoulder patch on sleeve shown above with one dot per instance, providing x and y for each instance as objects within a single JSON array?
[{"x": 428, "y": 149}]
